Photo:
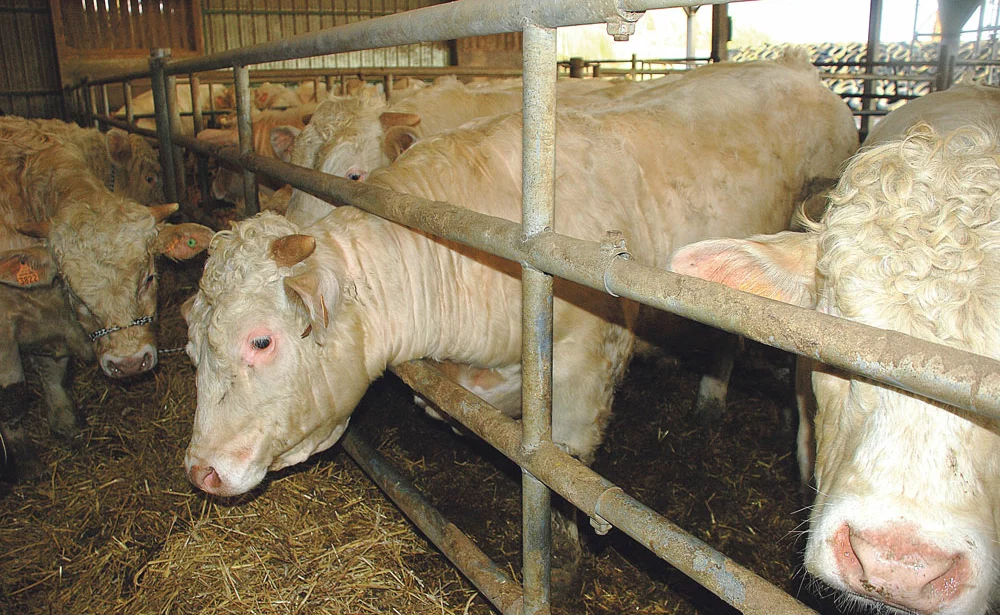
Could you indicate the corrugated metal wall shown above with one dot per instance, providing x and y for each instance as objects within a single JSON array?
[
  {"x": 237, "y": 23},
  {"x": 28, "y": 60}
]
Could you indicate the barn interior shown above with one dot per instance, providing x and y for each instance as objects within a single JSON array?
[{"x": 112, "y": 524}]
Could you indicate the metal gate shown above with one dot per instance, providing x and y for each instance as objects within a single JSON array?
[{"x": 954, "y": 377}]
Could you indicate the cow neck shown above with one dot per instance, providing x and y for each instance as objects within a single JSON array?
[{"x": 390, "y": 266}]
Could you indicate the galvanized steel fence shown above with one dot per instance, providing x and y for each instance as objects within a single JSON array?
[{"x": 960, "y": 379}]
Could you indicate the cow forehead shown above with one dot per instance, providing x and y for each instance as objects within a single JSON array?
[
  {"x": 115, "y": 233},
  {"x": 241, "y": 281},
  {"x": 911, "y": 241}
]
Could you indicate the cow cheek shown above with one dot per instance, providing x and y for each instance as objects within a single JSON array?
[{"x": 833, "y": 429}]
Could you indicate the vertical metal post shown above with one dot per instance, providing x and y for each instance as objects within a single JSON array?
[
  {"x": 105, "y": 102},
  {"x": 127, "y": 93},
  {"x": 88, "y": 104},
  {"x": 244, "y": 124},
  {"x": 329, "y": 85},
  {"x": 199, "y": 125},
  {"x": 720, "y": 32},
  {"x": 690, "y": 11},
  {"x": 174, "y": 113},
  {"x": 871, "y": 54},
  {"x": 387, "y": 84},
  {"x": 538, "y": 164},
  {"x": 157, "y": 59},
  {"x": 635, "y": 65}
]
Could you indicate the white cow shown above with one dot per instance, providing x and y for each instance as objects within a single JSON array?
[
  {"x": 75, "y": 259},
  {"x": 209, "y": 94},
  {"x": 291, "y": 324},
  {"x": 351, "y": 137},
  {"x": 907, "y": 510}
]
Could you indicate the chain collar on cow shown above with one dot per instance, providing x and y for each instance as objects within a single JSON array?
[
  {"x": 111, "y": 182},
  {"x": 142, "y": 320},
  {"x": 96, "y": 335}
]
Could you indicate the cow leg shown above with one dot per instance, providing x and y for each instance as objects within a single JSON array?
[
  {"x": 710, "y": 404},
  {"x": 587, "y": 367},
  {"x": 62, "y": 418},
  {"x": 20, "y": 462}
]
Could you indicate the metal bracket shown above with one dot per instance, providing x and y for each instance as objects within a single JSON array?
[
  {"x": 622, "y": 25},
  {"x": 600, "y": 525},
  {"x": 612, "y": 247}
]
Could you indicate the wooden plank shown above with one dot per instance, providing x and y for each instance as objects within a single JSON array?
[{"x": 198, "y": 27}]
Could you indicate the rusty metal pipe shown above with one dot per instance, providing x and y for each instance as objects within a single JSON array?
[
  {"x": 538, "y": 187},
  {"x": 605, "y": 502},
  {"x": 490, "y": 579},
  {"x": 129, "y": 109},
  {"x": 244, "y": 125},
  {"x": 157, "y": 60},
  {"x": 174, "y": 113}
]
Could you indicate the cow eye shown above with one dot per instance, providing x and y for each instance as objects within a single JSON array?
[
  {"x": 262, "y": 342},
  {"x": 150, "y": 180},
  {"x": 148, "y": 282},
  {"x": 354, "y": 175}
]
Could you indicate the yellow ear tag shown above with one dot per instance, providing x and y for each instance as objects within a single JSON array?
[{"x": 26, "y": 275}]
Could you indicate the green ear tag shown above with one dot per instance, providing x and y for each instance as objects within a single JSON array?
[{"x": 192, "y": 243}]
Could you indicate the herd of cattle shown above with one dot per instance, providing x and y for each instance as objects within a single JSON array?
[{"x": 301, "y": 308}]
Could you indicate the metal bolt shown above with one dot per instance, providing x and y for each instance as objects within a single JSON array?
[{"x": 622, "y": 26}]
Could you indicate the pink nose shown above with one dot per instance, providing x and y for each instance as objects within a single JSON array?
[
  {"x": 894, "y": 566},
  {"x": 205, "y": 478},
  {"x": 138, "y": 363}
]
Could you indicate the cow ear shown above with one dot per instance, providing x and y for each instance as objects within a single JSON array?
[
  {"x": 320, "y": 294},
  {"x": 119, "y": 146},
  {"x": 390, "y": 119},
  {"x": 183, "y": 241},
  {"x": 780, "y": 267},
  {"x": 38, "y": 230},
  {"x": 282, "y": 140},
  {"x": 26, "y": 267},
  {"x": 397, "y": 140}
]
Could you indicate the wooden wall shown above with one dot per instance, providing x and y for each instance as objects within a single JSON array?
[
  {"x": 28, "y": 60},
  {"x": 496, "y": 50}
]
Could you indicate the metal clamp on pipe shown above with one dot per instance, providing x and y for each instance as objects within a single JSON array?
[
  {"x": 613, "y": 247},
  {"x": 622, "y": 25},
  {"x": 601, "y": 525}
]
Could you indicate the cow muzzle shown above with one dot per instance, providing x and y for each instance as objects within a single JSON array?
[
  {"x": 123, "y": 367},
  {"x": 892, "y": 564}
]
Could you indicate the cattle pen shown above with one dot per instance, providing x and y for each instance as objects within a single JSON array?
[{"x": 951, "y": 376}]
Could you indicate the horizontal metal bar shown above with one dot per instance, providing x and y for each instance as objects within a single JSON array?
[
  {"x": 962, "y": 379},
  {"x": 293, "y": 12},
  {"x": 435, "y": 23},
  {"x": 602, "y": 499},
  {"x": 488, "y": 578}
]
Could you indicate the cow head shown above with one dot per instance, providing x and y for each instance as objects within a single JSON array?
[
  {"x": 105, "y": 256},
  {"x": 343, "y": 138},
  {"x": 137, "y": 173},
  {"x": 277, "y": 346},
  {"x": 907, "y": 503}
]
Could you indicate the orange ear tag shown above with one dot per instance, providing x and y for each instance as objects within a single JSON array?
[{"x": 26, "y": 275}]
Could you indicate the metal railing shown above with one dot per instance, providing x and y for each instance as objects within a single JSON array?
[{"x": 960, "y": 379}]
